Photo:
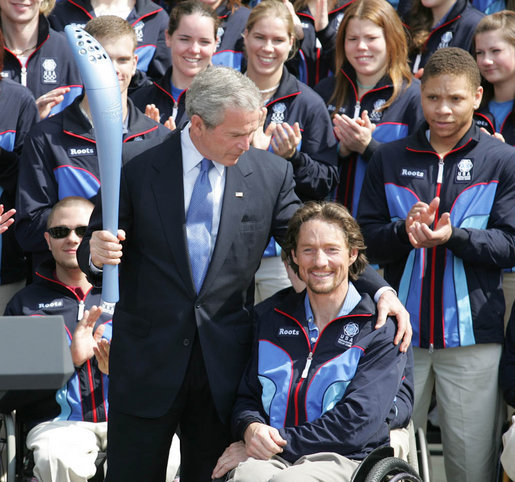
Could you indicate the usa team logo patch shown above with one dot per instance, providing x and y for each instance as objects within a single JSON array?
[
  {"x": 464, "y": 170},
  {"x": 278, "y": 111},
  {"x": 349, "y": 332},
  {"x": 138, "y": 29},
  {"x": 49, "y": 71},
  {"x": 445, "y": 40},
  {"x": 377, "y": 114}
]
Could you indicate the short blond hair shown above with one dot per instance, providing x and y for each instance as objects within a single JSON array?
[{"x": 111, "y": 27}]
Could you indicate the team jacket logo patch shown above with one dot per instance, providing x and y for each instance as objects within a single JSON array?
[
  {"x": 445, "y": 40},
  {"x": 81, "y": 151},
  {"x": 288, "y": 332},
  {"x": 464, "y": 170},
  {"x": 278, "y": 111},
  {"x": 376, "y": 114},
  {"x": 49, "y": 71},
  {"x": 53, "y": 304},
  {"x": 339, "y": 19},
  {"x": 413, "y": 173},
  {"x": 219, "y": 34},
  {"x": 346, "y": 338},
  {"x": 138, "y": 29}
]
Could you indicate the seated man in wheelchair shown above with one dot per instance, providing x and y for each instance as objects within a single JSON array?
[
  {"x": 65, "y": 447},
  {"x": 317, "y": 394}
]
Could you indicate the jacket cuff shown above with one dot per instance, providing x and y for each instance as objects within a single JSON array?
[
  {"x": 459, "y": 238},
  {"x": 326, "y": 35},
  {"x": 242, "y": 425},
  {"x": 296, "y": 160},
  {"x": 400, "y": 229},
  {"x": 370, "y": 149}
]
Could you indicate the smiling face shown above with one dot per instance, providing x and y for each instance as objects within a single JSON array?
[
  {"x": 64, "y": 250},
  {"x": 268, "y": 45},
  {"x": 448, "y": 102},
  {"x": 192, "y": 45},
  {"x": 495, "y": 58},
  {"x": 365, "y": 49},
  {"x": 227, "y": 141},
  {"x": 323, "y": 257},
  {"x": 20, "y": 11}
]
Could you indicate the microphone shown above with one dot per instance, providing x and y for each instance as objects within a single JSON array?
[{"x": 103, "y": 91}]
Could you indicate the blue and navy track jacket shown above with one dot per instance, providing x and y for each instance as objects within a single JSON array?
[
  {"x": 229, "y": 51},
  {"x": 315, "y": 59},
  {"x": 399, "y": 120},
  {"x": 485, "y": 119},
  {"x": 457, "y": 31},
  {"x": 334, "y": 397},
  {"x": 160, "y": 94},
  {"x": 149, "y": 21},
  {"x": 84, "y": 396},
  {"x": 50, "y": 66},
  {"x": 453, "y": 292},
  {"x": 59, "y": 159},
  {"x": 315, "y": 162},
  {"x": 19, "y": 113}
]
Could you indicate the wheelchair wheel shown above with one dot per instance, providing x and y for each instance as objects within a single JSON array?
[{"x": 392, "y": 469}]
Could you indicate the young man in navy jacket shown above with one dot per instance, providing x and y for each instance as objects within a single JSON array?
[
  {"x": 59, "y": 158},
  {"x": 316, "y": 396},
  {"x": 437, "y": 210}
]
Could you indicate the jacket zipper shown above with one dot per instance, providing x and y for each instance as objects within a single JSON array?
[
  {"x": 304, "y": 375},
  {"x": 439, "y": 181},
  {"x": 23, "y": 76},
  {"x": 80, "y": 313}
]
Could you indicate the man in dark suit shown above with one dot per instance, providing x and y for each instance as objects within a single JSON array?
[{"x": 183, "y": 326}]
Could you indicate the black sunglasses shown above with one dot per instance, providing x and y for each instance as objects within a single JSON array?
[{"x": 60, "y": 232}]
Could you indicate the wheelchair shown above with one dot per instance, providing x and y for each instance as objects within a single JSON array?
[
  {"x": 381, "y": 465},
  {"x": 27, "y": 379},
  {"x": 16, "y": 461}
]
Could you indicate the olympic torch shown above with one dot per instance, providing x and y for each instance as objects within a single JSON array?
[{"x": 103, "y": 91}]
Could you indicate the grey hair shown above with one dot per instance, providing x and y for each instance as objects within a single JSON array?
[{"x": 218, "y": 88}]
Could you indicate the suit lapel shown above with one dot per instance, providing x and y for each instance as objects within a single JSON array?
[
  {"x": 236, "y": 196},
  {"x": 168, "y": 189}
]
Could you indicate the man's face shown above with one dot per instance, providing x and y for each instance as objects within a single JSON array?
[
  {"x": 226, "y": 142},
  {"x": 448, "y": 102},
  {"x": 64, "y": 250},
  {"x": 121, "y": 52},
  {"x": 323, "y": 257}
]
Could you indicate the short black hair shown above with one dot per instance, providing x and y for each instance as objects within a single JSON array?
[{"x": 452, "y": 61}]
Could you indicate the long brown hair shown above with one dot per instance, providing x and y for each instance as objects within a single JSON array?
[
  {"x": 383, "y": 15},
  {"x": 420, "y": 21}
]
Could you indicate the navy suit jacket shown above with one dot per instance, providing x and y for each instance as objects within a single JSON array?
[{"x": 159, "y": 312}]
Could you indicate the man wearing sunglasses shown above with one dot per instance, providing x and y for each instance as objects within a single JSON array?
[{"x": 66, "y": 445}]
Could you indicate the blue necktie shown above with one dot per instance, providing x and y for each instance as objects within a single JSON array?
[{"x": 198, "y": 224}]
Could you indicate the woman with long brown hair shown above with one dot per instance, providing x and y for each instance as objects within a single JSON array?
[
  {"x": 434, "y": 24},
  {"x": 372, "y": 96}
]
